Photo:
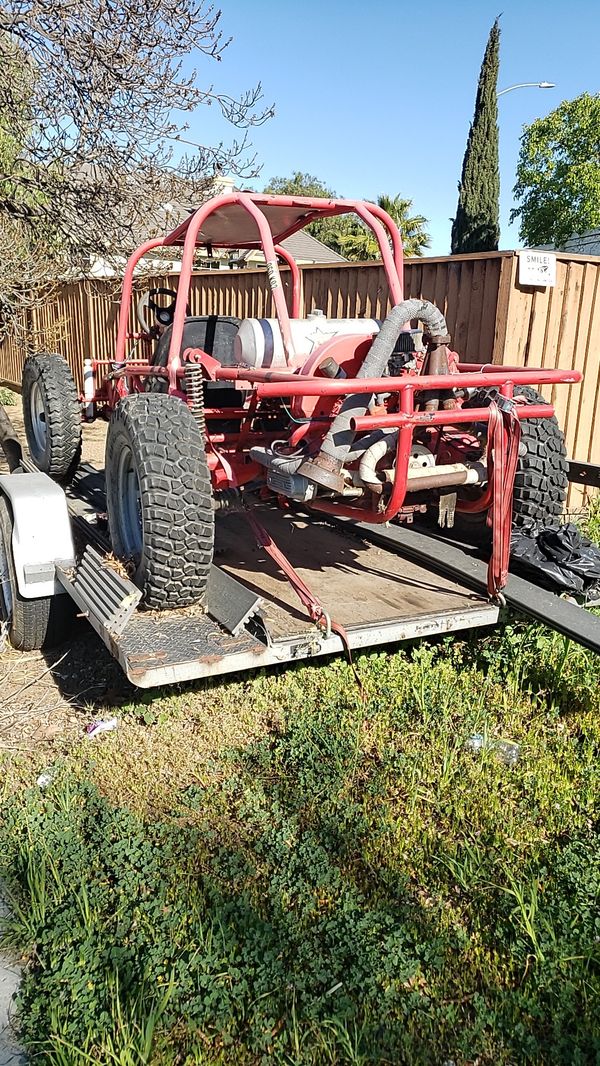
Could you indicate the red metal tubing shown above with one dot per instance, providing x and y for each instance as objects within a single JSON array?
[
  {"x": 393, "y": 273},
  {"x": 313, "y": 386},
  {"x": 296, "y": 285},
  {"x": 446, "y": 418}
]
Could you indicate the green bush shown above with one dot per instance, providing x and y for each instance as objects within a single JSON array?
[{"x": 8, "y": 398}]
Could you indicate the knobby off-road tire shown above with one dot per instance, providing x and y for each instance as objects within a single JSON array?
[
  {"x": 32, "y": 624},
  {"x": 159, "y": 499},
  {"x": 541, "y": 481},
  {"x": 52, "y": 415}
]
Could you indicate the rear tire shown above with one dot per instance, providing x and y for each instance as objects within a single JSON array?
[
  {"x": 31, "y": 624},
  {"x": 159, "y": 499},
  {"x": 541, "y": 481},
  {"x": 52, "y": 416}
]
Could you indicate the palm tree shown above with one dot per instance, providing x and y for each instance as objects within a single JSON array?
[{"x": 359, "y": 243}]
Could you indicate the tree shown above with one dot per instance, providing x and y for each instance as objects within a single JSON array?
[
  {"x": 92, "y": 99},
  {"x": 346, "y": 234},
  {"x": 476, "y": 227},
  {"x": 300, "y": 183},
  {"x": 360, "y": 243},
  {"x": 558, "y": 174}
]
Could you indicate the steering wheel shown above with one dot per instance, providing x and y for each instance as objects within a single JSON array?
[{"x": 163, "y": 313}]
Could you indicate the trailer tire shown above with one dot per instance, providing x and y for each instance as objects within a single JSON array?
[
  {"x": 159, "y": 499},
  {"x": 52, "y": 415},
  {"x": 541, "y": 481},
  {"x": 31, "y": 624}
]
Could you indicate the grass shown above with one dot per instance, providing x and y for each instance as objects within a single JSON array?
[
  {"x": 278, "y": 869},
  {"x": 8, "y": 398},
  {"x": 592, "y": 523}
]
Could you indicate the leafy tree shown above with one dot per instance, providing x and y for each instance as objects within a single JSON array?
[
  {"x": 361, "y": 243},
  {"x": 558, "y": 173},
  {"x": 346, "y": 234},
  {"x": 91, "y": 98},
  {"x": 300, "y": 183},
  {"x": 476, "y": 227}
]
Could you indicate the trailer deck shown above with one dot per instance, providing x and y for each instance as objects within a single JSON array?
[{"x": 375, "y": 594}]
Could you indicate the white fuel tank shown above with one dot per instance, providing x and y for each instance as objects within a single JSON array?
[{"x": 259, "y": 343}]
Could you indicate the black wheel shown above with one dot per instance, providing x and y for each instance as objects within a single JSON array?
[
  {"x": 52, "y": 415},
  {"x": 541, "y": 481},
  {"x": 159, "y": 499},
  {"x": 31, "y": 624}
]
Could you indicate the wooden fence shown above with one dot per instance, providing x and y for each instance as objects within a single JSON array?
[{"x": 490, "y": 316}]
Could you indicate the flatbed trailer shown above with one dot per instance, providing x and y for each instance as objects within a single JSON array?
[
  {"x": 253, "y": 617},
  {"x": 378, "y": 586}
]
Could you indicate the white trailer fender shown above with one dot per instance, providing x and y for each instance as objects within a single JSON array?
[{"x": 42, "y": 535}]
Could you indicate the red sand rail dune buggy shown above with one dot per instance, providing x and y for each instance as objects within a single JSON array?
[{"x": 367, "y": 420}]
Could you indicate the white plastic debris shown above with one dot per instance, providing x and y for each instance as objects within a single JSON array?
[
  {"x": 102, "y": 725},
  {"x": 507, "y": 751}
]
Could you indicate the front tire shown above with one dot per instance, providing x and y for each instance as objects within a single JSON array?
[
  {"x": 52, "y": 416},
  {"x": 159, "y": 499}
]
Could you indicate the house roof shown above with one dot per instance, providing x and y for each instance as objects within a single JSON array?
[
  {"x": 304, "y": 248},
  {"x": 586, "y": 244},
  {"x": 303, "y": 245}
]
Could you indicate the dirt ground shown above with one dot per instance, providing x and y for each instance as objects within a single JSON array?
[{"x": 48, "y": 697}]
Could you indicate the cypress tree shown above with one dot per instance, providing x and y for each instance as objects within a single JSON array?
[{"x": 476, "y": 227}]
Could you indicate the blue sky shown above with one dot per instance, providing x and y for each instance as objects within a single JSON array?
[{"x": 378, "y": 97}]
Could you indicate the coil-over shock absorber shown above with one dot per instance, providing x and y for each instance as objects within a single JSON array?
[{"x": 194, "y": 387}]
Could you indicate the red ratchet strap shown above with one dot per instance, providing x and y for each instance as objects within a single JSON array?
[
  {"x": 314, "y": 607},
  {"x": 504, "y": 435}
]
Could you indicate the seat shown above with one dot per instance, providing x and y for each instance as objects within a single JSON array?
[{"x": 213, "y": 333}]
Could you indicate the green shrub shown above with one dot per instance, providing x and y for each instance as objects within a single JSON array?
[{"x": 8, "y": 398}]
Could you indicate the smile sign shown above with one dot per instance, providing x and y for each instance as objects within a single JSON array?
[{"x": 537, "y": 268}]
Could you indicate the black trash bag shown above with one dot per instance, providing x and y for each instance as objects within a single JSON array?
[{"x": 557, "y": 556}]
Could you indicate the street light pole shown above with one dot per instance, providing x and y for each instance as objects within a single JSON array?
[{"x": 528, "y": 85}]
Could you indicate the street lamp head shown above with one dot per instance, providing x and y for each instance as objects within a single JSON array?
[{"x": 528, "y": 85}]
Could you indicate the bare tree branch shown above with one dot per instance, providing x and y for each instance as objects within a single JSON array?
[{"x": 93, "y": 99}]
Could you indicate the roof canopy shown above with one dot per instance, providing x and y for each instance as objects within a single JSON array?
[{"x": 230, "y": 225}]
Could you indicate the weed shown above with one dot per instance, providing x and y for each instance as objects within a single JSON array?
[{"x": 8, "y": 398}]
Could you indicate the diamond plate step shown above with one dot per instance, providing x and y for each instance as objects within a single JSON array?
[{"x": 100, "y": 591}]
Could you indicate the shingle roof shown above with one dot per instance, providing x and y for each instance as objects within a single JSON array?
[{"x": 303, "y": 247}]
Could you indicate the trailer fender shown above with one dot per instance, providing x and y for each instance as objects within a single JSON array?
[{"x": 42, "y": 537}]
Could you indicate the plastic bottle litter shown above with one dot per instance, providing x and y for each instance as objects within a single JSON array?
[
  {"x": 103, "y": 725},
  {"x": 507, "y": 751}
]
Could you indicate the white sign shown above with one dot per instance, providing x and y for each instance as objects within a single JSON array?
[{"x": 537, "y": 268}]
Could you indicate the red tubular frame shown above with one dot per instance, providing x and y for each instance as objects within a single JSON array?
[
  {"x": 289, "y": 383},
  {"x": 187, "y": 234},
  {"x": 314, "y": 386}
]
